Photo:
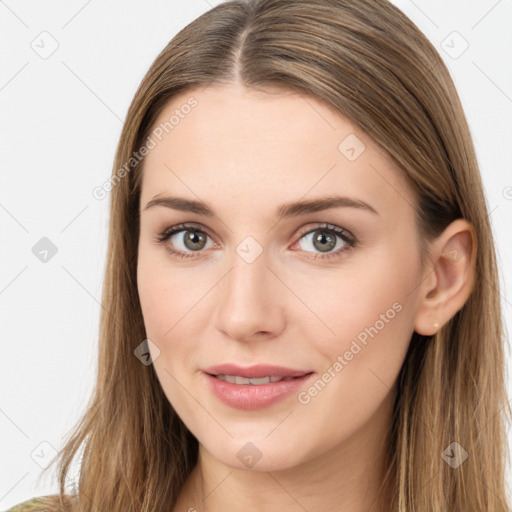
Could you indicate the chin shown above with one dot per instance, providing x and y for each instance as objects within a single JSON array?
[{"x": 258, "y": 455}]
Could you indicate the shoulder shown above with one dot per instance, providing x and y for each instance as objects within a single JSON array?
[{"x": 39, "y": 504}]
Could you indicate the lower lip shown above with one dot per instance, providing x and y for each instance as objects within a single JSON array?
[{"x": 251, "y": 397}]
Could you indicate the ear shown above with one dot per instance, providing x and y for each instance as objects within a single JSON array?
[{"x": 450, "y": 276}]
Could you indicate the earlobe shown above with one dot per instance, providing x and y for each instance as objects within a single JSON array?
[{"x": 450, "y": 279}]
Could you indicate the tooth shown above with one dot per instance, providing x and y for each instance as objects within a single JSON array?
[
  {"x": 236, "y": 379},
  {"x": 226, "y": 378},
  {"x": 261, "y": 380}
]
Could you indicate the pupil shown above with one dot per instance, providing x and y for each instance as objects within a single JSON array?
[
  {"x": 322, "y": 238},
  {"x": 195, "y": 238}
]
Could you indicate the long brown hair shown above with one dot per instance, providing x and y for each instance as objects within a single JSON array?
[{"x": 366, "y": 59}]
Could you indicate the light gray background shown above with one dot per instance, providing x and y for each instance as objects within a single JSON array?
[{"x": 61, "y": 116}]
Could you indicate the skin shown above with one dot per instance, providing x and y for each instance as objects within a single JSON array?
[{"x": 245, "y": 153}]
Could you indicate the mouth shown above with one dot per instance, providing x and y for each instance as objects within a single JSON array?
[
  {"x": 255, "y": 372},
  {"x": 255, "y": 381},
  {"x": 255, "y": 387}
]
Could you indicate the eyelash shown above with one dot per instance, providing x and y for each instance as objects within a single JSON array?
[{"x": 349, "y": 239}]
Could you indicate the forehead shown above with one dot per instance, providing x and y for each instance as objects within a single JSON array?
[{"x": 265, "y": 147}]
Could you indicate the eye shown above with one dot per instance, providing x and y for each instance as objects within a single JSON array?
[
  {"x": 187, "y": 237},
  {"x": 327, "y": 237}
]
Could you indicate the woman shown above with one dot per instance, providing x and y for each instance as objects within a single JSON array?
[{"x": 336, "y": 342}]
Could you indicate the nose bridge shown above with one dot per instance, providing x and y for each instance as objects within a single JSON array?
[
  {"x": 249, "y": 298},
  {"x": 250, "y": 279}
]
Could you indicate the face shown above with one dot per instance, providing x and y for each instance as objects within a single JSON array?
[{"x": 326, "y": 292}]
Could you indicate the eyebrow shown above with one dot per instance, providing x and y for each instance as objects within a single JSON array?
[{"x": 293, "y": 209}]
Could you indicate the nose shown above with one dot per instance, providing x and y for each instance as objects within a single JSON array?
[{"x": 251, "y": 301}]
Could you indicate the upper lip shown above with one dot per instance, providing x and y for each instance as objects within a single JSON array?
[{"x": 256, "y": 371}]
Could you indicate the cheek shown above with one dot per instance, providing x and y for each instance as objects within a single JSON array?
[
  {"x": 369, "y": 310},
  {"x": 174, "y": 303},
  {"x": 152, "y": 294},
  {"x": 356, "y": 296},
  {"x": 167, "y": 302},
  {"x": 359, "y": 364},
  {"x": 164, "y": 294}
]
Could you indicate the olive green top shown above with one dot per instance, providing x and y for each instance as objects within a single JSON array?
[{"x": 32, "y": 505}]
